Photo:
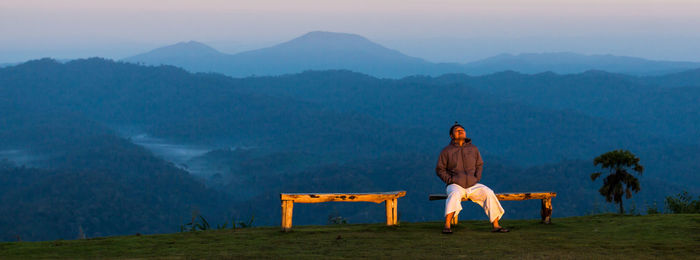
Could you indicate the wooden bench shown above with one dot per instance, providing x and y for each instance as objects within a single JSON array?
[
  {"x": 546, "y": 198},
  {"x": 390, "y": 198}
]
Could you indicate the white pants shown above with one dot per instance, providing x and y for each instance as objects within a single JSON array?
[{"x": 479, "y": 194}]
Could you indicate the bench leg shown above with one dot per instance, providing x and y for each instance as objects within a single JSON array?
[
  {"x": 390, "y": 205},
  {"x": 396, "y": 215},
  {"x": 392, "y": 212},
  {"x": 546, "y": 211},
  {"x": 287, "y": 209}
]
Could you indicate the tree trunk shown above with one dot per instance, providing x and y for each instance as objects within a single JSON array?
[{"x": 622, "y": 209}]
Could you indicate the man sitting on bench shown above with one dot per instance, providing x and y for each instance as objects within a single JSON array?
[{"x": 460, "y": 166}]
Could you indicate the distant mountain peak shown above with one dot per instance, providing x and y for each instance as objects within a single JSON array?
[
  {"x": 190, "y": 46},
  {"x": 180, "y": 49},
  {"x": 325, "y": 35},
  {"x": 195, "y": 44},
  {"x": 323, "y": 38}
]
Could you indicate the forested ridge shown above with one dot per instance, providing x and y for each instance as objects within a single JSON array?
[{"x": 67, "y": 166}]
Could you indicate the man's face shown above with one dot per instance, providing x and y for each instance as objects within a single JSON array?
[{"x": 459, "y": 134}]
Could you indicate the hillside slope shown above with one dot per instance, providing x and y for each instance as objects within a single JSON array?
[{"x": 81, "y": 178}]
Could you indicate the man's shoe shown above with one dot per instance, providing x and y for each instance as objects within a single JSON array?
[
  {"x": 447, "y": 231},
  {"x": 500, "y": 230}
]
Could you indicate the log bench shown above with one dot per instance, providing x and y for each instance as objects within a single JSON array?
[
  {"x": 546, "y": 197},
  {"x": 390, "y": 199}
]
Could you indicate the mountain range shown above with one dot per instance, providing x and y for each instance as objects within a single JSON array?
[
  {"x": 67, "y": 165},
  {"x": 328, "y": 50}
]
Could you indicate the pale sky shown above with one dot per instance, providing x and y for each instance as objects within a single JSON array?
[{"x": 436, "y": 30}]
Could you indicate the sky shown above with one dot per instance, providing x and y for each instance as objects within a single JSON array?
[{"x": 436, "y": 30}]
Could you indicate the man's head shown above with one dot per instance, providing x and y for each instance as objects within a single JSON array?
[{"x": 457, "y": 132}]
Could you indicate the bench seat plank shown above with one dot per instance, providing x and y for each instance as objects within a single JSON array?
[
  {"x": 507, "y": 196},
  {"x": 376, "y": 197}
]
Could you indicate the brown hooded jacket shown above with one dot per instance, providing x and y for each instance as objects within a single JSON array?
[{"x": 461, "y": 165}]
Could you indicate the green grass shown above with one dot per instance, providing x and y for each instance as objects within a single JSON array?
[{"x": 600, "y": 236}]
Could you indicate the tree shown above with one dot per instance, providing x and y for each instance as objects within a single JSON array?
[{"x": 618, "y": 162}]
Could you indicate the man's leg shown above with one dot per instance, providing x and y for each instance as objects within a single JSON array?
[
  {"x": 448, "y": 219},
  {"x": 453, "y": 204},
  {"x": 495, "y": 224},
  {"x": 486, "y": 198}
]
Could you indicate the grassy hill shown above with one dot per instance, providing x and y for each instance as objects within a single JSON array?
[{"x": 598, "y": 236}]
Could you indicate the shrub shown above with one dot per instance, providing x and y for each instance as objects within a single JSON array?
[{"x": 682, "y": 203}]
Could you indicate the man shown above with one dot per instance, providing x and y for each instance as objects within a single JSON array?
[{"x": 460, "y": 166}]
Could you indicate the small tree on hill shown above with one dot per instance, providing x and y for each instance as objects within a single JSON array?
[{"x": 618, "y": 162}]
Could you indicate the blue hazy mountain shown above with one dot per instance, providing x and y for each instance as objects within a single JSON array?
[
  {"x": 689, "y": 78},
  {"x": 328, "y": 50},
  {"x": 193, "y": 56},
  {"x": 2, "y": 65},
  {"x": 312, "y": 51},
  {"x": 567, "y": 63}
]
